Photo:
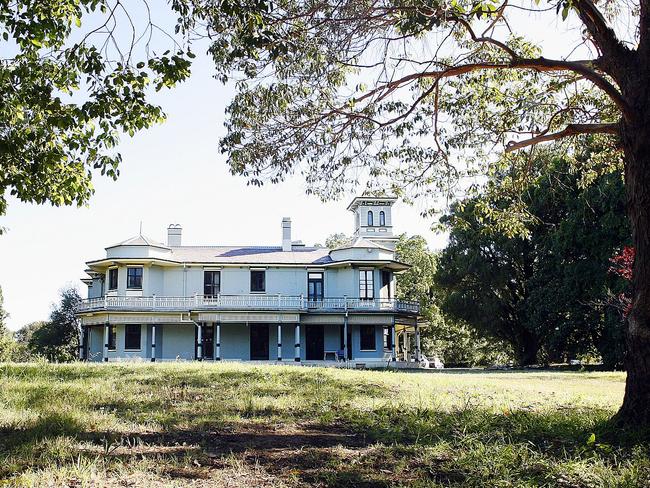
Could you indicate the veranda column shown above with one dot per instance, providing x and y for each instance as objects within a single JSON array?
[
  {"x": 407, "y": 346},
  {"x": 393, "y": 340},
  {"x": 297, "y": 343},
  {"x": 105, "y": 350},
  {"x": 81, "y": 343},
  {"x": 279, "y": 342},
  {"x": 153, "y": 343},
  {"x": 217, "y": 354},
  {"x": 417, "y": 341},
  {"x": 199, "y": 342},
  {"x": 345, "y": 337}
]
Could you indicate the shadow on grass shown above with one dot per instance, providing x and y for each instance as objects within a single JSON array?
[
  {"x": 212, "y": 415},
  {"x": 380, "y": 447}
]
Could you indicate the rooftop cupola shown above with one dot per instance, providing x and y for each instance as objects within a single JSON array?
[{"x": 373, "y": 219}]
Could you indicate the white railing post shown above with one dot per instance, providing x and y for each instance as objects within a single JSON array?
[{"x": 153, "y": 301}]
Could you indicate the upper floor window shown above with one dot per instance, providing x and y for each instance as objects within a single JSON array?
[
  {"x": 258, "y": 280},
  {"x": 132, "y": 336},
  {"x": 134, "y": 278},
  {"x": 386, "y": 279},
  {"x": 315, "y": 286},
  {"x": 367, "y": 340},
  {"x": 370, "y": 219},
  {"x": 112, "y": 279},
  {"x": 366, "y": 284},
  {"x": 211, "y": 283},
  {"x": 382, "y": 218},
  {"x": 112, "y": 336}
]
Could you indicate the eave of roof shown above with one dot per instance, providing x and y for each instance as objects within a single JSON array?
[{"x": 354, "y": 203}]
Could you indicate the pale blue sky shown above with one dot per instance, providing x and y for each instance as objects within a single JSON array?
[{"x": 173, "y": 173}]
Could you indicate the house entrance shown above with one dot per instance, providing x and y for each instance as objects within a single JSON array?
[
  {"x": 208, "y": 342},
  {"x": 259, "y": 342},
  {"x": 315, "y": 342}
]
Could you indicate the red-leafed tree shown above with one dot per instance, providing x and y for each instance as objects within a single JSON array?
[{"x": 623, "y": 266}]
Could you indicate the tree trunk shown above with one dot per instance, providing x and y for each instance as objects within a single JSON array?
[
  {"x": 528, "y": 348},
  {"x": 635, "y": 138}
]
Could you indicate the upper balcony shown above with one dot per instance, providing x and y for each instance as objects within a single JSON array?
[{"x": 245, "y": 303}]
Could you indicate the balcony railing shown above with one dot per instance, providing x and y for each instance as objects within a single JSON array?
[{"x": 246, "y": 302}]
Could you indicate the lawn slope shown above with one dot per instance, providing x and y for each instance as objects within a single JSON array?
[{"x": 245, "y": 425}]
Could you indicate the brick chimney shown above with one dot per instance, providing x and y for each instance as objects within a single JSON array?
[
  {"x": 174, "y": 232},
  {"x": 286, "y": 234}
]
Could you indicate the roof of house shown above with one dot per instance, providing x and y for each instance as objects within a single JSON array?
[
  {"x": 245, "y": 255},
  {"x": 139, "y": 240},
  {"x": 357, "y": 201},
  {"x": 250, "y": 255},
  {"x": 362, "y": 243}
]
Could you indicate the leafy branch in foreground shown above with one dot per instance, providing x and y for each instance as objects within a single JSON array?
[{"x": 75, "y": 75}]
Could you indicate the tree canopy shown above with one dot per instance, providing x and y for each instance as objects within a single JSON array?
[
  {"x": 58, "y": 338},
  {"x": 449, "y": 339},
  {"x": 548, "y": 294}
]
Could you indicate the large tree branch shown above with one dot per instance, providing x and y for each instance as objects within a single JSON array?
[
  {"x": 569, "y": 130},
  {"x": 537, "y": 64},
  {"x": 604, "y": 37},
  {"x": 585, "y": 68}
]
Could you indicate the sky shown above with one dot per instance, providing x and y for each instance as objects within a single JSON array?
[{"x": 171, "y": 173}]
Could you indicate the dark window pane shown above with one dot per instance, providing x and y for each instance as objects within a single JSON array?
[
  {"x": 370, "y": 219},
  {"x": 382, "y": 218},
  {"x": 134, "y": 277},
  {"x": 112, "y": 334},
  {"x": 211, "y": 283},
  {"x": 315, "y": 286},
  {"x": 258, "y": 281},
  {"x": 112, "y": 279},
  {"x": 366, "y": 284},
  {"x": 367, "y": 337},
  {"x": 132, "y": 336}
]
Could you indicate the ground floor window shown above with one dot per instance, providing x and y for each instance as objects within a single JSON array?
[
  {"x": 388, "y": 338},
  {"x": 132, "y": 336},
  {"x": 112, "y": 337},
  {"x": 367, "y": 337}
]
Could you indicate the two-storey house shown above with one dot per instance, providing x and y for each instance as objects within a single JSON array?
[{"x": 154, "y": 301}]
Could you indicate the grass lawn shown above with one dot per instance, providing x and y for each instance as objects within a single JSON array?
[{"x": 244, "y": 425}]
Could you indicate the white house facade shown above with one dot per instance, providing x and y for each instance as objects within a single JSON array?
[{"x": 157, "y": 302}]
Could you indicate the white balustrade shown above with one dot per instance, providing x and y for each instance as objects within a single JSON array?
[{"x": 246, "y": 302}]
